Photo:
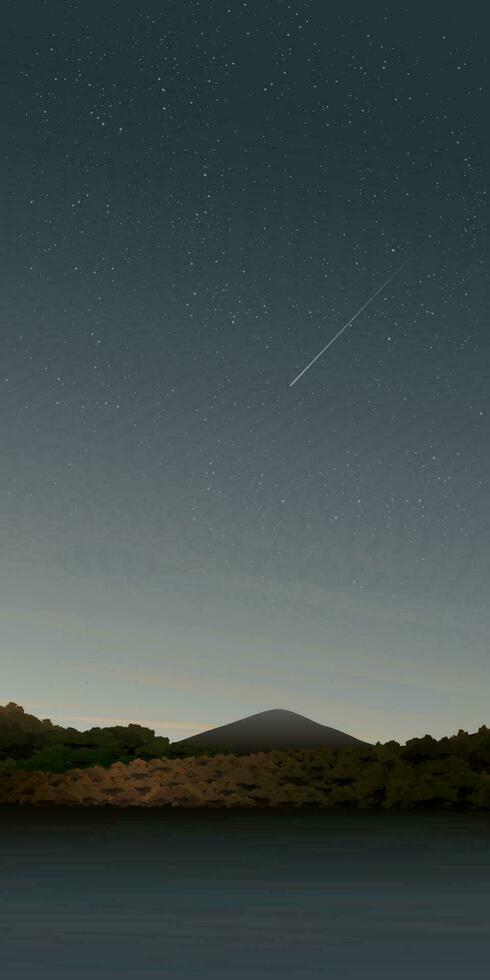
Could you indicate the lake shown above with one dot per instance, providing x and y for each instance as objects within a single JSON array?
[{"x": 102, "y": 893}]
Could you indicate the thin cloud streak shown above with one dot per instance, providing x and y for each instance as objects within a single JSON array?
[{"x": 63, "y": 712}]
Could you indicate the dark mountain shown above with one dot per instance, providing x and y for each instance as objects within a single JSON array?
[{"x": 275, "y": 729}]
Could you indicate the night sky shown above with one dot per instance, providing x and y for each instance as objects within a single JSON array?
[{"x": 197, "y": 197}]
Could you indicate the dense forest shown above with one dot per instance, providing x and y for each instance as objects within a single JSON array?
[
  {"x": 129, "y": 765},
  {"x": 27, "y": 742}
]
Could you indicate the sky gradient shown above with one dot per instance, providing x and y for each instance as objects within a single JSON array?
[{"x": 197, "y": 197}]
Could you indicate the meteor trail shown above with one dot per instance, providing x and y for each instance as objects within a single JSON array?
[{"x": 370, "y": 300}]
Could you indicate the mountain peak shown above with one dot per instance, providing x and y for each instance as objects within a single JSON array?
[{"x": 276, "y": 728}]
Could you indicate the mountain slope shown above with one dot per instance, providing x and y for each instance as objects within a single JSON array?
[{"x": 274, "y": 729}]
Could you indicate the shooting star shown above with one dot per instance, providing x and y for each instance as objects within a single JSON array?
[{"x": 370, "y": 300}]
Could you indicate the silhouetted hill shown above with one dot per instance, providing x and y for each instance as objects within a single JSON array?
[{"x": 274, "y": 729}]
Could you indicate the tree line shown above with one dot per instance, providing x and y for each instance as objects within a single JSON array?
[
  {"x": 27, "y": 742},
  {"x": 450, "y": 772}
]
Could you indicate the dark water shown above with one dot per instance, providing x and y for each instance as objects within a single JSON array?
[{"x": 110, "y": 893}]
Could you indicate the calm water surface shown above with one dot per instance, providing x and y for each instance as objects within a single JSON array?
[{"x": 136, "y": 893}]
